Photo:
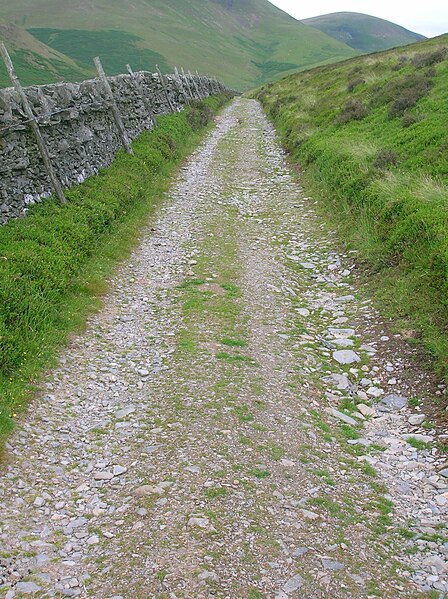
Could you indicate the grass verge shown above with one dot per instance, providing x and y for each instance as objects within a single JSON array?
[
  {"x": 371, "y": 135},
  {"x": 54, "y": 264}
]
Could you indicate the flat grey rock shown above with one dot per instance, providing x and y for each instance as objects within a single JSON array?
[
  {"x": 346, "y": 356},
  {"x": 340, "y": 381},
  {"x": 416, "y": 419},
  {"x": 341, "y": 333},
  {"x": 344, "y": 299},
  {"x": 27, "y": 588},
  {"x": 365, "y": 410},
  {"x": 293, "y": 584},
  {"x": 343, "y": 342},
  {"x": 344, "y": 417},
  {"x": 118, "y": 470},
  {"x": 103, "y": 475},
  {"x": 300, "y": 551},
  {"x": 124, "y": 412},
  {"x": 330, "y": 564},
  {"x": 392, "y": 403}
]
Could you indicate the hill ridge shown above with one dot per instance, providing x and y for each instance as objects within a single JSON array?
[
  {"x": 363, "y": 32},
  {"x": 245, "y": 43}
]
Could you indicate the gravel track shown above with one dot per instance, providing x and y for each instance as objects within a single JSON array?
[{"x": 201, "y": 438}]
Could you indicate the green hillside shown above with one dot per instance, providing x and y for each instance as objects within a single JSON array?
[
  {"x": 244, "y": 42},
  {"x": 371, "y": 134},
  {"x": 363, "y": 32},
  {"x": 36, "y": 62}
]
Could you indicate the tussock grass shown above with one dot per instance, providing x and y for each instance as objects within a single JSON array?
[
  {"x": 55, "y": 262},
  {"x": 390, "y": 202}
]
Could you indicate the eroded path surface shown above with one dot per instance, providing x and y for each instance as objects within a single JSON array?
[{"x": 188, "y": 444}]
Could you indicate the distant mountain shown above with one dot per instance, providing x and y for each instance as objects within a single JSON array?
[
  {"x": 363, "y": 32},
  {"x": 244, "y": 42}
]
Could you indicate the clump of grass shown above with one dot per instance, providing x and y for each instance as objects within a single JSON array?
[
  {"x": 199, "y": 115},
  {"x": 349, "y": 432},
  {"x": 277, "y": 452},
  {"x": 326, "y": 476},
  {"x": 214, "y": 492},
  {"x": 234, "y": 342},
  {"x": 401, "y": 63},
  {"x": 243, "y": 413},
  {"x": 260, "y": 473},
  {"x": 234, "y": 358},
  {"x": 417, "y": 444},
  {"x": 332, "y": 507}
]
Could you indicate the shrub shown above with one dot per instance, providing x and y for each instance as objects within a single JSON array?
[
  {"x": 401, "y": 104},
  {"x": 407, "y": 92},
  {"x": 415, "y": 84},
  {"x": 402, "y": 61},
  {"x": 353, "y": 83},
  {"x": 354, "y": 110},
  {"x": 199, "y": 115},
  {"x": 385, "y": 158},
  {"x": 409, "y": 119},
  {"x": 427, "y": 59}
]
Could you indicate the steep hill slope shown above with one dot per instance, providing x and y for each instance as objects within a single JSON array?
[
  {"x": 363, "y": 32},
  {"x": 35, "y": 61},
  {"x": 245, "y": 42},
  {"x": 372, "y": 134}
]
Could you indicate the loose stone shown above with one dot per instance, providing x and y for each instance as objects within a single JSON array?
[
  {"x": 346, "y": 356},
  {"x": 293, "y": 584}
]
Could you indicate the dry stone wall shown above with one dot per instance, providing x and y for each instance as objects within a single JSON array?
[{"x": 78, "y": 127}]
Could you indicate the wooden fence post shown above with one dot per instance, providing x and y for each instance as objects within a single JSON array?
[
  {"x": 201, "y": 84},
  {"x": 139, "y": 87},
  {"x": 187, "y": 84},
  {"x": 57, "y": 187},
  {"x": 195, "y": 85},
  {"x": 113, "y": 106},
  {"x": 165, "y": 89},
  {"x": 182, "y": 88}
]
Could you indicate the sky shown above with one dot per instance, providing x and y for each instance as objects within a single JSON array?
[{"x": 429, "y": 18}]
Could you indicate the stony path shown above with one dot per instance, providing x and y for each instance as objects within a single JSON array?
[{"x": 202, "y": 439}]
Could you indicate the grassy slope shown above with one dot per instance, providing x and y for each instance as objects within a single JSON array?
[
  {"x": 363, "y": 32},
  {"x": 35, "y": 61},
  {"x": 250, "y": 43},
  {"x": 384, "y": 177},
  {"x": 55, "y": 262}
]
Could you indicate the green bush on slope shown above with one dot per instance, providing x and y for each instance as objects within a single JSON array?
[{"x": 383, "y": 178}]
